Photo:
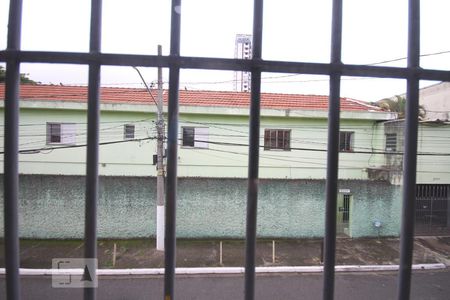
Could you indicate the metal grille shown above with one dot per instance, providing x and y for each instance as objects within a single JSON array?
[
  {"x": 13, "y": 56},
  {"x": 432, "y": 209},
  {"x": 277, "y": 139},
  {"x": 346, "y": 212},
  {"x": 346, "y": 141},
  {"x": 128, "y": 131},
  {"x": 391, "y": 142}
]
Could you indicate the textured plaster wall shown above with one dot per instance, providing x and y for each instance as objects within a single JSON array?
[
  {"x": 374, "y": 200},
  {"x": 53, "y": 207}
]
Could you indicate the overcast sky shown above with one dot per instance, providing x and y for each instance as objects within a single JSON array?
[{"x": 294, "y": 30}]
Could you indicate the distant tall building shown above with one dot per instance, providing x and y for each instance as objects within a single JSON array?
[{"x": 242, "y": 50}]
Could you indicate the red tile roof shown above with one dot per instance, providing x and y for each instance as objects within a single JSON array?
[{"x": 187, "y": 98}]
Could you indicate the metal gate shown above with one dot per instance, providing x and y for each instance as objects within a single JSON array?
[
  {"x": 343, "y": 214},
  {"x": 432, "y": 209},
  {"x": 13, "y": 56}
]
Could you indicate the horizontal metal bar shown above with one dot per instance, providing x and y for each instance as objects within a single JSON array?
[{"x": 227, "y": 64}]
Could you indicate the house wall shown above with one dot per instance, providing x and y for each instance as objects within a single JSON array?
[
  {"x": 433, "y": 169},
  {"x": 227, "y": 152},
  {"x": 52, "y": 206},
  {"x": 433, "y": 138},
  {"x": 124, "y": 159},
  {"x": 307, "y": 135},
  {"x": 436, "y": 101}
]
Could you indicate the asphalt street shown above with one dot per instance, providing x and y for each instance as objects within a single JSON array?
[{"x": 425, "y": 285}]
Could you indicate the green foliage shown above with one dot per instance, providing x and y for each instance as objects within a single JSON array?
[
  {"x": 23, "y": 77},
  {"x": 398, "y": 105}
]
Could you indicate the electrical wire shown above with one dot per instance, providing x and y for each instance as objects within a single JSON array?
[{"x": 37, "y": 150}]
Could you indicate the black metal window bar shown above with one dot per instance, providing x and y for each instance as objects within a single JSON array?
[{"x": 13, "y": 56}]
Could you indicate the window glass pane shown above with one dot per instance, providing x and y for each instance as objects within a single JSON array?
[
  {"x": 280, "y": 139},
  {"x": 273, "y": 139},
  {"x": 287, "y": 140},
  {"x": 188, "y": 136},
  {"x": 68, "y": 133},
  {"x": 54, "y": 133},
  {"x": 129, "y": 131},
  {"x": 342, "y": 141},
  {"x": 266, "y": 139},
  {"x": 345, "y": 141},
  {"x": 201, "y": 137}
]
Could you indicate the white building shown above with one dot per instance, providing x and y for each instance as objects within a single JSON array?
[
  {"x": 242, "y": 50},
  {"x": 436, "y": 101}
]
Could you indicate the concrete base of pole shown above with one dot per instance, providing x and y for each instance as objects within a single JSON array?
[{"x": 160, "y": 227}]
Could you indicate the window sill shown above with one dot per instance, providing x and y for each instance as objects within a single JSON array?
[
  {"x": 191, "y": 147},
  {"x": 62, "y": 144},
  {"x": 278, "y": 150}
]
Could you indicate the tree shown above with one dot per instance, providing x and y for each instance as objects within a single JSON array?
[
  {"x": 398, "y": 105},
  {"x": 23, "y": 77}
]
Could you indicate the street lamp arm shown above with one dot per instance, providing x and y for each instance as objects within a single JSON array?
[{"x": 146, "y": 86}]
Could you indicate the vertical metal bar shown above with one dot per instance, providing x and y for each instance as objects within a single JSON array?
[
  {"x": 90, "y": 229},
  {"x": 253, "y": 155},
  {"x": 160, "y": 163},
  {"x": 11, "y": 158},
  {"x": 332, "y": 153},
  {"x": 172, "y": 154},
  {"x": 410, "y": 156}
]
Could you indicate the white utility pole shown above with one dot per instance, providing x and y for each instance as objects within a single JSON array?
[{"x": 160, "y": 212}]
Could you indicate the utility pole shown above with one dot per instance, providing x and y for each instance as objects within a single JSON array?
[{"x": 160, "y": 212}]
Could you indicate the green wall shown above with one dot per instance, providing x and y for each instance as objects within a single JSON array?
[
  {"x": 227, "y": 153},
  {"x": 53, "y": 207}
]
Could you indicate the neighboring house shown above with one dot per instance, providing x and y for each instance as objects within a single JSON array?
[
  {"x": 212, "y": 160},
  {"x": 436, "y": 101},
  {"x": 433, "y": 176}
]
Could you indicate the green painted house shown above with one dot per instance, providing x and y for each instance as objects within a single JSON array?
[{"x": 212, "y": 160}]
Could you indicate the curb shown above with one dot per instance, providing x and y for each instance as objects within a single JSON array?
[{"x": 224, "y": 270}]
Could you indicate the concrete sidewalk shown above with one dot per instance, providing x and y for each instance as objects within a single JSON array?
[{"x": 206, "y": 253}]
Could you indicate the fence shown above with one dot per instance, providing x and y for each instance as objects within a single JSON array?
[{"x": 13, "y": 56}]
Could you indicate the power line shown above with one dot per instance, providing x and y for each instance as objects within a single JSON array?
[
  {"x": 325, "y": 150},
  {"x": 403, "y": 58},
  {"x": 37, "y": 150}
]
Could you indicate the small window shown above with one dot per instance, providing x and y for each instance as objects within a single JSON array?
[
  {"x": 391, "y": 142},
  {"x": 346, "y": 141},
  {"x": 128, "y": 131},
  {"x": 196, "y": 137},
  {"x": 61, "y": 133},
  {"x": 277, "y": 139}
]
